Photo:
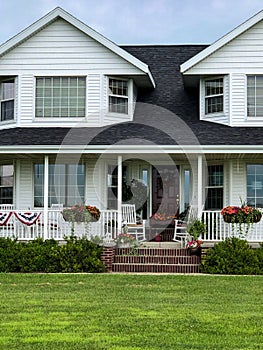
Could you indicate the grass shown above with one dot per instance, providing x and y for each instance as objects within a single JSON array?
[{"x": 85, "y": 311}]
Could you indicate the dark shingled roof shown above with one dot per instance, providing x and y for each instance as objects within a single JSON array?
[{"x": 166, "y": 115}]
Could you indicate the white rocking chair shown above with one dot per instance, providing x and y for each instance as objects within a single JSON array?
[
  {"x": 180, "y": 227},
  {"x": 129, "y": 220}
]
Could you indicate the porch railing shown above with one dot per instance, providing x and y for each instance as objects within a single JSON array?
[
  {"x": 58, "y": 228},
  {"x": 107, "y": 227},
  {"x": 218, "y": 230}
]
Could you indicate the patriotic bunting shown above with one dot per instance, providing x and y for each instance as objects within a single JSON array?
[
  {"x": 4, "y": 217},
  {"x": 27, "y": 218}
]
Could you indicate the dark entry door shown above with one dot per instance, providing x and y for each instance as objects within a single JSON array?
[{"x": 165, "y": 189}]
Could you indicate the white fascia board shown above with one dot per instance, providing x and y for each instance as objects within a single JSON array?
[
  {"x": 221, "y": 42},
  {"x": 59, "y": 12},
  {"x": 126, "y": 149}
]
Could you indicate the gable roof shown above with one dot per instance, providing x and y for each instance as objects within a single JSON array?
[
  {"x": 59, "y": 12},
  {"x": 221, "y": 42}
]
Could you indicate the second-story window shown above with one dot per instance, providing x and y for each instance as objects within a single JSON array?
[
  {"x": 118, "y": 96},
  {"x": 7, "y": 99},
  {"x": 214, "y": 96},
  {"x": 60, "y": 97},
  {"x": 255, "y": 96}
]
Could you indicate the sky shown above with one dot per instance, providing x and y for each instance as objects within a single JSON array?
[{"x": 128, "y": 22}]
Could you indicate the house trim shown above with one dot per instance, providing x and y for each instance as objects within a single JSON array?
[{"x": 117, "y": 149}]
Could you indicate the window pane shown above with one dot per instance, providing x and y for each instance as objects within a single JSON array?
[
  {"x": 214, "y": 199},
  {"x": 7, "y": 110},
  {"x": 214, "y": 104},
  {"x": 118, "y": 96},
  {"x": 6, "y": 184},
  {"x": 7, "y": 100},
  {"x": 61, "y": 97},
  {"x": 214, "y": 189},
  {"x": 66, "y": 184},
  {"x": 118, "y": 105},
  {"x": 214, "y": 87},
  {"x": 255, "y": 185},
  {"x": 255, "y": 96}
]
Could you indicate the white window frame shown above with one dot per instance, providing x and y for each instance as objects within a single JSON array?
[
  {"x": 127, "y": 97},
  {"x": 60, "y": 116},
  {"x": 255, "y": 116},
  {"x": 209, "y": 186},
  {"x": 206, "y": 97},
  {"x": 5, "y": 100},
  {"x": 256, "y": 186}
]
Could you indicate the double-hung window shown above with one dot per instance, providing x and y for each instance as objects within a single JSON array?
[
  {"x": 214, "y": 188},
  {"x": 6, "y": 184},
  {"x": 7, "y": 99},
  {"x": 60, "y": 97},
  {"x": 214, "y": 95},
  {"x": 118, "y": 96},
  {"x": 255, "y": 96},
  {"x": 255, "y": 185}
]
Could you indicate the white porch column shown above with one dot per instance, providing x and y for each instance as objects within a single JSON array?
[
  {"x": 199, "y": 185},
  {"x": 46, "y": 162},
  {"x": 119, "y": 193}
]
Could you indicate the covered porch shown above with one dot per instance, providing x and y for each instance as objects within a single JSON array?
[{"x": 205, "y": 180}]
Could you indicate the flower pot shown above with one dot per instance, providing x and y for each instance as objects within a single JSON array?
[{"x": 195, "y": 251}]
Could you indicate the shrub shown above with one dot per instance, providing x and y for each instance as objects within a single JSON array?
[
  {"x": 81, "y": 255},
  {"x": 233, "y": 256},
  {"x": 77, "y": 255}
]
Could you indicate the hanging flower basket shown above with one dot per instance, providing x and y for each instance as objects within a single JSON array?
[
  {"x": 241, "y": 215},
  {"x": 81, "y": 213}
]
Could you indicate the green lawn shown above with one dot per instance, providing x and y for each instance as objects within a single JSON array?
[{"x": 85, "y": 311}]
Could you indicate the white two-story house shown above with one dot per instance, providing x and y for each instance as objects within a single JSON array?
[{"x": 165, "y": 127}]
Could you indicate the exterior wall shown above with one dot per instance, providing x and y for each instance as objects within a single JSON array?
[
  {"x": 26, "y": 193},
  {"x": 95, "y": 183},
  {"x": 61, "y": 49},
  {"x": 240, "y": 57},
  {"x": 244, "y": 53},
  {"x": 238, "y": 182}
]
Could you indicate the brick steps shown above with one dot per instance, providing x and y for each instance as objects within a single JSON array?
[{"x": 158, "y": 260}]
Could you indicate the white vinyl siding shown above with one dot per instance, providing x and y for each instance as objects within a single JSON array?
[
  {"x": 25, "y": 185},
  {"x": 244, "y": 53},
  {"x": 95, "y": 183},
  {"x": 62, "y": 50}
]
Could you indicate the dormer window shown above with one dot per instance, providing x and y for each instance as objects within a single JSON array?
[
  {"x": 255, "y": 96},
  {"x": 214, "y": 95},
  {"x": 118, "y": 96},
  {"x": 60, "y": 97},
  {"x": 7, "y": 99}
]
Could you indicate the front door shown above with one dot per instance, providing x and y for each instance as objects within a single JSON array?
[{"x": 165, "y": 189}]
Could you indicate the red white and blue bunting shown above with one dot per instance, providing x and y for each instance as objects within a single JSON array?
[
  {"x": 27, "y": 218},
  {"x": 4, "y": 217}
]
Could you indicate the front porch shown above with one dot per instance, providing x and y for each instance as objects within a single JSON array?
[{"x": 53, "y": 226}]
